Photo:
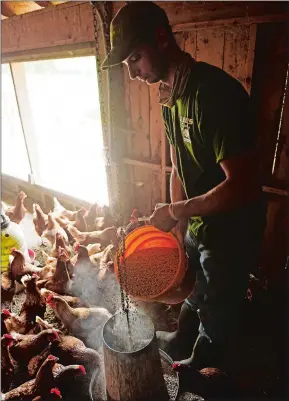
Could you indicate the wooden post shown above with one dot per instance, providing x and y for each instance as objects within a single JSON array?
[{"x": 135, "y": 375}]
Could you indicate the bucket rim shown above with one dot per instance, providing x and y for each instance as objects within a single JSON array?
[{"x": 128, "y": 352}]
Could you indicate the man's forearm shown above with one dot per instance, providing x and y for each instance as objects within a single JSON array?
[
  {"x": 224, "y": 197},
  {"x": 176, "y": 187}
]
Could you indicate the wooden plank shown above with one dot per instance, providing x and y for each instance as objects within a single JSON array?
[
  {"x": 65, "y": 24},
  {"x": 269, "y": 76},
  {"x": 258, "y": 19},
  {"x": 239, "y": 53},
  {"x": 157, "y": 191},
  {"x": 191, "y": 43},
  {"x": 139, "y": 102},
  {"x": 281, "y": 167},
  {"x": 19, "y": 7},
  {"x": 180, "y": 39},
  {"x": 44, "y": 3},
  {"x": 156, "y": 124},
  {"x": 210, "y": 46},
  {"x": 187, "y": 12},
  {"x": 275, "y": 242}
]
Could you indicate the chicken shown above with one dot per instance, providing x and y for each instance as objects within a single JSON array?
[
  {"x": 60, "y": 211},
  {"x": 17, "y": 212},
  {"x": 47, "y": 271},
  {"x": 105, "y": 237},
  {"x": 85, "y": 277},
  {"x": 63, "y": 345},
  {"x": 32, "y": 306},
  {"x": 65, "y": 378},
  {"x": 64, "y": 223},
  {"x": 7, "y": 286},
  {"x": 74, "y": 302},
  {"x": 48, "y": 259},
  {"x": 43, "y": 324},
  {"x": 52, "y": 228},
  {"x": 106, "y": 256},
  {"x": 59, "y": 242},
  {"x": 85, "y": 323},
  {"x": 40, "y": 386},
  {"x": 207, "y": 382},
  {"x": 40, "y": 219},
  {"x": 70, "y": 350},
  {"x": 106, "y": 220},
  {"x": 93, "y": 249},
  {"x": 29, "y": 345},
  {"x": 80, "y": 223},
  {"x": 60, "y": 281},
  {"x": 91, "y": 215},
  {"x": 7, "y": 367},
  {"x": 20, "y": 268}
]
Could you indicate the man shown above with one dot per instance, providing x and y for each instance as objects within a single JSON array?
[{"x": 215, "y": 183}]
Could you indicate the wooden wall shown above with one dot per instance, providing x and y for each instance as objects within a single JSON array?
[
  {"x": 228, "y": 47},
  {"x": 256, "y": 54},
  {"x": 249, "y": 40}
]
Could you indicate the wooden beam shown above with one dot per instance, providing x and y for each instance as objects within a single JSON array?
[
  {"x": 6, "y": 10},
  {"x": 180, "y": 12},
  {"x": 190, "y": 26},
  {"x": 275, "y": 191},
  {"x": 168, "y": 169},
  {"x": 67, "y": 24},
  {"x": 18, "y": 7},
  {"x": 44, "y": 3}
]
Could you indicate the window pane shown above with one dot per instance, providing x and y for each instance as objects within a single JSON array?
[
  {"x": 63, "y": 96},
  {"x": 14, "y": 154}
]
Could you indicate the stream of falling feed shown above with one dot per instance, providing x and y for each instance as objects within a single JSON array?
[{"x": 125, "y": 302}]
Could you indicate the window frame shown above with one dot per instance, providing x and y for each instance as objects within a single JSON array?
[{"x": 25, "y": 113}]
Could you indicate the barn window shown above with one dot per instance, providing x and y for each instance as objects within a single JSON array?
[
  {"x": 59, "y": 106},
  {"x": 15, "y": 160}
]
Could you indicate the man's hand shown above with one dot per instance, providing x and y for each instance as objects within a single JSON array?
[{"x": 162, "y": 219}]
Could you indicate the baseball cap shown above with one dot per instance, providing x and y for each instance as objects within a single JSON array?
[{"x": 133, "y": 24}]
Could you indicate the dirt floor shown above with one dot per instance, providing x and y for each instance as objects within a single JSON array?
[{"x": 257, "y": 367}]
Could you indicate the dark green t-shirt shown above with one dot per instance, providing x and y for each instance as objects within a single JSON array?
[{"x": 211, "y": 122}]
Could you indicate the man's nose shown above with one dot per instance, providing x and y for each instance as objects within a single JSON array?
[{"x": 133, "y": 74}]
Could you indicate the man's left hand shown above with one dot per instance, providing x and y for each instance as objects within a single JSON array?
[{"x": 162, "y": 219}]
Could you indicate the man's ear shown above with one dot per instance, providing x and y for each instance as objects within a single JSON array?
[{"x": 162, "y": 37}]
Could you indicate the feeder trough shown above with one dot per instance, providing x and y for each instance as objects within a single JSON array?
[{"x": 132, "y": 362}]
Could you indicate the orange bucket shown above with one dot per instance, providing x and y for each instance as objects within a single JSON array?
[{"x": 149, "y": 238}]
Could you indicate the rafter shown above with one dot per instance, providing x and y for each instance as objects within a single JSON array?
[{"x": 10, "y": 8}]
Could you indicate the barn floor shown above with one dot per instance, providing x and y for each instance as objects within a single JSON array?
[{"x": 257, "y": 366}]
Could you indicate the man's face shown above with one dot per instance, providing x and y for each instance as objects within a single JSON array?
[{"x": 147, "y": 63}]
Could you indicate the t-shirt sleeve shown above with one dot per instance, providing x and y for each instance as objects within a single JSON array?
[
  {"x": 166, "y": 120},
  {"x": 224, "y": 118}
]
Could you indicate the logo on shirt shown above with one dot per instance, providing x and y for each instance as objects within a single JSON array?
[{"x": 185, "y": 127}]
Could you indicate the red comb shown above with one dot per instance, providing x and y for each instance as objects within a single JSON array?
[
  {"x": 177, "y": 366},
  {"x": 82, "y": 369},
  {"x": 8, "y": 336},
  {"x": 6, "y": 312},
  {"x": 55, "y": 391},
  {"x": 51, "y": 357},
  {"x": 76, "y": 246},
  {"x": 55, "y": 333},
  {"x": 50, "y": 297}
]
